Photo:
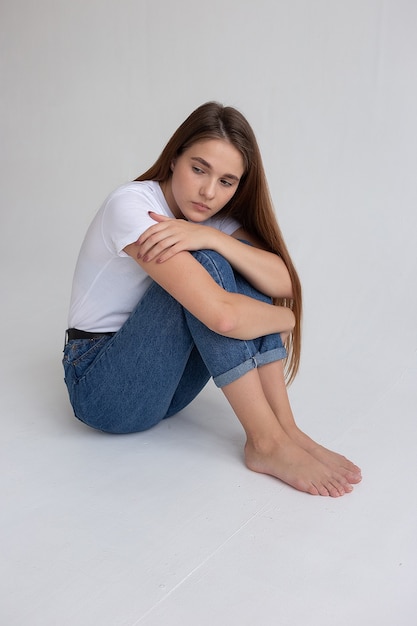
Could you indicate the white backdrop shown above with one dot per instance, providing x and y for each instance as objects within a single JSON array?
[{"x": 91, "y": 91}]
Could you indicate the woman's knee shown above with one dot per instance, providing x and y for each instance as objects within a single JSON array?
[
  {"x": 218, "y": 267},
  {"x": 222, "y": 272}
]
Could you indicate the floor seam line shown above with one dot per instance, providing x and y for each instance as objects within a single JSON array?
[{"x": 197, "y": 567}]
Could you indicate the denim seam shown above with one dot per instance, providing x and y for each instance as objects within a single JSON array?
[
  {"x": 257, "y": 360},
  {"x": 277, "y": 354},
  {"x": 214, "y": 265}
]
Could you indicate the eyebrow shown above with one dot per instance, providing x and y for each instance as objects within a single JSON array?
[{"x": 208, "y": 166}]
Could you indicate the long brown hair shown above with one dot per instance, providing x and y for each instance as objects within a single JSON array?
[{"x": 251, "y": 205}]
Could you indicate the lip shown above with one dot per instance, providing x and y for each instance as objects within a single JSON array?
[{"x": 200, "y": 206}]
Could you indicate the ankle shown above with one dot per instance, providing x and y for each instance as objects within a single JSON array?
[{"x": 265, "y": 445}]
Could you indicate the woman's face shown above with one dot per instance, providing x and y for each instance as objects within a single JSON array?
[{"x": 204, "y": 179}]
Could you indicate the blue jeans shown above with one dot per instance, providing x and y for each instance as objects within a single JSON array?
[{"x": 160, "y": 359}]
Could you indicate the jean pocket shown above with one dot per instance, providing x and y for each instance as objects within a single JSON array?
[{"x": 81, "y": 353}]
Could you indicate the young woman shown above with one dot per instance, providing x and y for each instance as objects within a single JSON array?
[{"x": 184, "y": 275}]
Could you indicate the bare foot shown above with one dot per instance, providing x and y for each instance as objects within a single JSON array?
[
  {"x": 333, "y": 460},
  {"x": 349, "y": 470},
  {"x": 296, "y": 467}
]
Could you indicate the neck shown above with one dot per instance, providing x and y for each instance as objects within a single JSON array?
[{"x": 169, "y": 197}]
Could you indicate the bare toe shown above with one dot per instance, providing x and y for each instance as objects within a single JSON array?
[
  {"x": 293, "y": 465},
  {"x": 353, "y": 477}
]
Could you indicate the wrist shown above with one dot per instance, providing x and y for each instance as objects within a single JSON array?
[{"x": 219, "y": 241}]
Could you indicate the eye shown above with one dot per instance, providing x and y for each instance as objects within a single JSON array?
[
  {"x": 225, "y": 182},
  {"x": 197, "y": 170}
]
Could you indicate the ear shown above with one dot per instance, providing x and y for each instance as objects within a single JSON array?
[{"x": 171, "y": 167}]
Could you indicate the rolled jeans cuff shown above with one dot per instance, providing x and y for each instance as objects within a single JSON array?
[{"x": 259, "y": 359}]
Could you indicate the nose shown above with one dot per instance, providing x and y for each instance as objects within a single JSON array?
[{"x": 207, "y": 190}]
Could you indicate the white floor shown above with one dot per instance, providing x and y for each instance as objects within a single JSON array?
[{"x": 169, "y": 528}]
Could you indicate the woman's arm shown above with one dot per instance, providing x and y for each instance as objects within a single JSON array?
[
  {"x": 262, "y": 269},
  {"x": 229, "y": 314}
]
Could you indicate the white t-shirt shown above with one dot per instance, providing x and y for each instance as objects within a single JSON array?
[{"x": 108, "y": 283}]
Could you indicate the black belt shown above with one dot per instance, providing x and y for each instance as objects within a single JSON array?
[{"x": 74, "y": 333}]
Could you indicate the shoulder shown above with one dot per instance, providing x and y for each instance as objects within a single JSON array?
[
  {"x": 136, "y": 196},
  {"x": 134, "y": 190},
  {"x": 124, "y": 215}
]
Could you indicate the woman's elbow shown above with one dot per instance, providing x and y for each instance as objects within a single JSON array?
[
  {"x": 283, "y": 290},
  {"x": 224, "y": 320}
]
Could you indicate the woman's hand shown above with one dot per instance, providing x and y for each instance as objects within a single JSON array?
[
  {"x": 170, "y": 236},
  {"x": 264, "y": 270}
]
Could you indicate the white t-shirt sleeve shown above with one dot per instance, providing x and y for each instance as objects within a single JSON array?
[{"x": 125, "y": 218}]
